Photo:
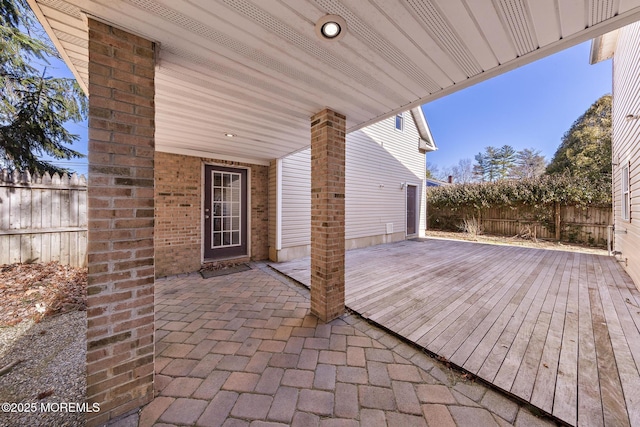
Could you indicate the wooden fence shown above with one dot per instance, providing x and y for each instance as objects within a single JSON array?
[
  {"x": 43, "y": 218},
  {"x": 555, "y": 222}
]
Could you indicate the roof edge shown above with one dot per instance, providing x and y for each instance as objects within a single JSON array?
[
  {"x": 35, "y": 7},
  {"x": 603, "y": 47},
  {"x": 426, "y": 139}
]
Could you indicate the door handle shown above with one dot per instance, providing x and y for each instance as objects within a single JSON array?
[{"x": 206, "y": 217}]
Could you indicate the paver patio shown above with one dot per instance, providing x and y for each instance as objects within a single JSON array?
[
  {"x": 557, "y": 329},
  {"x": 243, "y": 350}
]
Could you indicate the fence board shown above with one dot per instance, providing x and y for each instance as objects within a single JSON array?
[
  {"x": 43, "y": 219},
  {"x": 578, "y": 225},
  {"x": 4, "y": 251}
]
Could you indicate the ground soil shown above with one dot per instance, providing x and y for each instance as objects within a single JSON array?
[
  {"x": 516, "y": 241},
  {"x": 32, "y": 291}
]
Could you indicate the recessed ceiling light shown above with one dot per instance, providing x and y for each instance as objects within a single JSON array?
[
  {"x": 331, "y": 27},
  {"x": 229, "y": 134}
]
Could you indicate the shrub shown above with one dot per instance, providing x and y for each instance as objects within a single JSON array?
[{"x": 533, "y": 192}]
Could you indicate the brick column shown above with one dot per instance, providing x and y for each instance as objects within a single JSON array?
[
  {"x": 120, "y": 311},
  {"x": 327, "y": 214}
]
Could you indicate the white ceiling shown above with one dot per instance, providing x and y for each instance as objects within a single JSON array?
[{"x": 256, "y": 68}]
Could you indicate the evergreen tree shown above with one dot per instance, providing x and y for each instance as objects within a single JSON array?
[
  {"x": 480, "y": 167},
  {"x": 488, "y": 165},
  {"x": 34, "y": 106},
  {"x": 505, "y": 160},
  {"x": 585, "y": 150}
]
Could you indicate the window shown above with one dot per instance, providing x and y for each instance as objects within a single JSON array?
[
  {"x": 626, "y": 199},
  {"x": 399, "y": 122}
]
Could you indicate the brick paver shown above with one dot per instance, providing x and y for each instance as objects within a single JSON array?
[
  {"x": 438, "y": 415},
  {"x": 298, "y": 378},
  {"x": 325, "y": 378},
  {"x": 315, "y": 401},
  {"x": 184, "y": 411},
  {"x": 182, "y": 387},
  {"x": 243, "y": 350},
  {"x": 252, "y": 406},
  {"x": 284, "y": 405},
  {"x": 218, "y": 410}
]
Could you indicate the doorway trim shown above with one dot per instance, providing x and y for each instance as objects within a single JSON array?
[{"x": 416, "y": 210}]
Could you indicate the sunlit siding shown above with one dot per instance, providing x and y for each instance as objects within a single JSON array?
[
  {"x": 626, "y": 144},
  {"x": 379, "y": 159},
  {"x": 296, "y": 199}
]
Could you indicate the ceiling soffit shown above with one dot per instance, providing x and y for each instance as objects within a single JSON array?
[{"x": 228, "y": 61}]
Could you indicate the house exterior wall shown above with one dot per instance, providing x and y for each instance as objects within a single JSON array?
[
  {"x": 178, "y": 229},
  {"x": 626, "y": 146},
  {"x": 378, "y": 159}
]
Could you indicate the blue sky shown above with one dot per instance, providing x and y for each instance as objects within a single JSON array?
[{"x": 530, "y": 107}]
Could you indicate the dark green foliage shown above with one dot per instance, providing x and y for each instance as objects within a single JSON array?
[
  {"x": 585, "y": 150},
  {"x": 495, "y": 163},
  {"x": 34, "y": 106},
  {"x": 534, "y": 192},
  {"x": 505, "y": 161}
]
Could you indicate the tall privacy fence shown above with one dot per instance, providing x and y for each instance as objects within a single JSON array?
[
  {"x": 43, "y": 218},
  {"x": 575, "y": 224}
]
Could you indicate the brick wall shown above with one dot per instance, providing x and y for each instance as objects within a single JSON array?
[
  {"x": 120, "y": 305},
  {"x": 178, "y": 233},
  {"x": 327, "y": 214}
]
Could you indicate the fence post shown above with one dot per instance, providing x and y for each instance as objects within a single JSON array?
[{"x": 557, "y": 215}]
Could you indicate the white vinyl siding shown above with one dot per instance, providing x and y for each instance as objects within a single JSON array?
[
  {"x": 378, "y": 160},
  {"x": 296, "y": 199},
  {"x": 626, "y": 146}
]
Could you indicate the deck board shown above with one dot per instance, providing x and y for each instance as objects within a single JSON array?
[
  {"x": 560, "y": 330},
  {"x": 589, "y": 399}
]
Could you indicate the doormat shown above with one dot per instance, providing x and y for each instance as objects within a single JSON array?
[{"x": 206, "y": 274}]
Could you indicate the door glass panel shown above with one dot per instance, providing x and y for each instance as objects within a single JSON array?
[{"x": 226, "y": 215}]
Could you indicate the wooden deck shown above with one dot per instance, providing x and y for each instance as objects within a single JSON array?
[{"x": 557, "y": 329}]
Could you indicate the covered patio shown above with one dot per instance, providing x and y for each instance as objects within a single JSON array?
[
  {"x": 184, "y": 90},
  {"x": 556, "y": 329},
  {"x": 243, "y": 349}
]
